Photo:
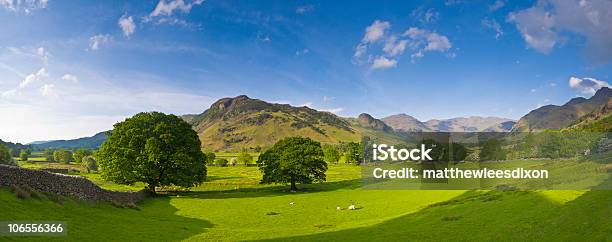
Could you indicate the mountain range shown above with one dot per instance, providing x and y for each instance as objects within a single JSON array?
[
  {"x": 559, "y": 117},
  {"x": 92, "y": 142},
  {"x": 408, "y": 123},
  {"x": 231, "y": 124}
]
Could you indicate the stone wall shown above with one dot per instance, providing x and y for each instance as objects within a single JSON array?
[{"x": 66, "y": 185}]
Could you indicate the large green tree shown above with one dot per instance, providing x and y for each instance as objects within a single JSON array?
[
  {"x": 24, "y": 155},
  {"x": 80, "y": 154},
  {"x": 330, "y": 154},
  {"x": 153, "y": 148},
  {"x": 293, "y": 160},
  {"x": 244, "y": 158},
  {"x": 62, "y": 155},
  {"x": 5, "y": 156}
]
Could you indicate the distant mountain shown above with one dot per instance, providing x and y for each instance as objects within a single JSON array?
[
  {"x": 471, "y": 124},
  {"x": 12, "y": 145},
  {"x": 501, "y": 127},
  {"x": 92, "y": 142},
  {"x": 407, "y": 123},
  {"x": 558, "y": 117},
  {"x": 368, "y": 121},
  {"x": 243, "y": 122}
]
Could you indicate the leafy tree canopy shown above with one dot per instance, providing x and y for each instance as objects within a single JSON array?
[
  {"x": 5, "y": 155},
  {"x": 62, "y": 155},
  {"x": 154, "y": 148},
  {"x": 80, "y": 154},
  {"x": 293, "y": 160}
]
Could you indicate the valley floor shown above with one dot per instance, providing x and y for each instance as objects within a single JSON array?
[{"x": 232, "y": 206}]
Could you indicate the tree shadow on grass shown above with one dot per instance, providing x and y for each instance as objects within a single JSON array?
[
  {"x": 218, "y": 178},
  {"x": 492, "y": 216},
  {"x": 275, "y": 190},
  {"x": 155, "y": 219}
]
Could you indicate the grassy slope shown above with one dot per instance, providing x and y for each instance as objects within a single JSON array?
[
  {"x": 274, "y": 129},
  {"x": 232, "y": 206},
  {"x": 267, "y": 133}
]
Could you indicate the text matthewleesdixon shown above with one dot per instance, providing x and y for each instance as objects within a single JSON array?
[{"x": 383, "y": 152}]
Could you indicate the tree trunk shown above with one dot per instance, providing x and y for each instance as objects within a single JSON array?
[
  {"x": 151, "y": 189},
  {"x": 293, "y": 187}
]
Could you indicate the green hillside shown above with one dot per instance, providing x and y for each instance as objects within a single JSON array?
[
  {"x": 559, "y": 117},
  {"x": 231, "y": 124},
  {"x": 598, "y": 121}
]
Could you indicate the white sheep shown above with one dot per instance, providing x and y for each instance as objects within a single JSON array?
[
  {"x": 338, "y": 208},
  {"x": 291, "y": 203},
  {"x": 352, "y": 207}
]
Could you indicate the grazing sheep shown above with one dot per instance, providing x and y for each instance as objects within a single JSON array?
[
  {"x": 291, "y": 203},
  {"x": 352, "y": 207},
  {"x": 338, "y": 208}
]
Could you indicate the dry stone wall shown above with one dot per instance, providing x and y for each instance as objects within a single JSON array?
[{"x": 66, "y": 185}]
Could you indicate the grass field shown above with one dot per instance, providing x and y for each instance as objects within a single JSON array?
[{"x": 233, "y": 206}]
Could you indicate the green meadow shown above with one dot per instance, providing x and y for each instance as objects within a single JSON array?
[{"x": 232, "y": 206}]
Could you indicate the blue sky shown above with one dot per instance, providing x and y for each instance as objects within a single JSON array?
[{"x": 73, "y": 68}]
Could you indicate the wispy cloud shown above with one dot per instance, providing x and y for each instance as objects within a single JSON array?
[
  {"x": 543, "y": 25},
  {"x": 96, "y": 41},
  {"x": 493, "y": 25},
  {"x": 27, "y": 6},
  {"x": 419, "y": 41},
  {"x": 127, "y": 25},
  {"x": 166, "y": 10},
  {"x": 304, "y": 9}
]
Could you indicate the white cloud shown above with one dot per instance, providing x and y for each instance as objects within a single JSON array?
[
  {"x": 27, "y": 6},
  {"x": 304, "y": 9},
  {"x": 98, "y": 40},
  {"x": 543, "y": 25},
  {"x": 39, "y": 53},
  {"x": 168, "y": 7},
  {"x": 497, "y": 5},
  {"x": 535, "y": 25},
  {"x": 26, "y": 83},
  {"x": 494, "y": 25},
  {"x": 587, "y": 85},
  {"x": 429, "y": 16},
  {"x": 424, "y": 40},
  {"x": 394, "y": 47},
  {"x": 383, "y": 63},
  {"x": 375, "y": 31},
  {"x": 306, "y": 104},
  {"x": 126, "y": 23},
  {"x": 47, "y": 90},
  {"x": 166, "y": 10},
  {"x": 31, "y": 78},
  {"x": 43, "y": 55},
  {"x": 419, "y": 41},
  {"x": 70, "y": 77}
]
